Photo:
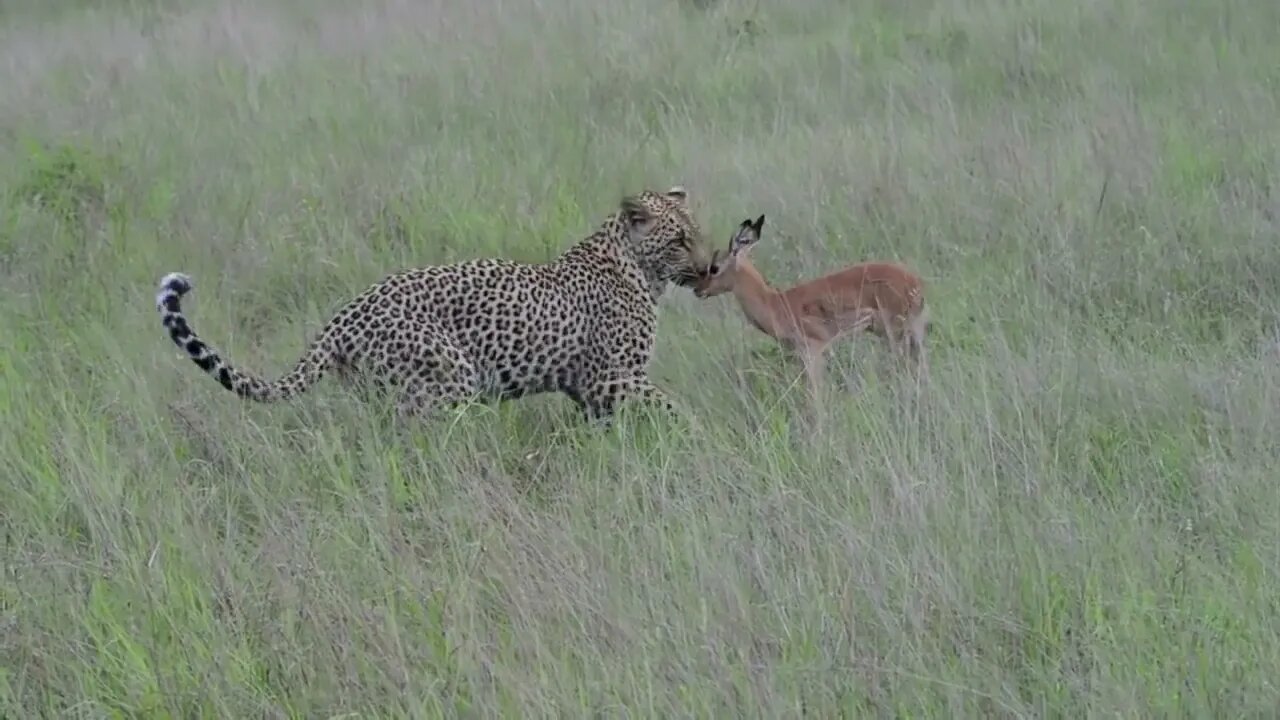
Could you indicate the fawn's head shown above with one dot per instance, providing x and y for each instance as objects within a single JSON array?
[{"x": 722, "y": 272}]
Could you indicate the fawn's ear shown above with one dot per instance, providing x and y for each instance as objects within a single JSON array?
[
  {"x": 746, "y": 236},
  {"x": 724, "y": 260}
]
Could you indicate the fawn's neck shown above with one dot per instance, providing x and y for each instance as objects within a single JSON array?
[{"x": 760, "y": 302}]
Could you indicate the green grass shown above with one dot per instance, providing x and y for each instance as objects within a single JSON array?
[{"x": 1079, "y": 519}]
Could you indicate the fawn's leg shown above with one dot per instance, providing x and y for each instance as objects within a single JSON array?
[
  {"x": 852, "y": 329},
  {"x": 815, "y": 366},
  {"x": 916, "y": 343},
  {"x": 894, "y": 333}
]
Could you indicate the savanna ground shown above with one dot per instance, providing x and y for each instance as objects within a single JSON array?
[{"x": 1079, "y": 518}]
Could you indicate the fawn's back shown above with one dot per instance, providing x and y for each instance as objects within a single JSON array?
[{"x": 889, "y": 288}]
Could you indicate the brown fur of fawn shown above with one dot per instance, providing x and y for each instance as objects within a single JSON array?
[{"x": 886, "y": 299}]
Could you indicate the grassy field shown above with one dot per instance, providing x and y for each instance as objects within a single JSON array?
[{"x": 1079, "y": 518}]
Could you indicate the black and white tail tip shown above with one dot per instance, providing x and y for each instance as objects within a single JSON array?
[{"x": 172, "y": 287}]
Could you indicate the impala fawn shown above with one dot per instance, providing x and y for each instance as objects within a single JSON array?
[{"x": 883, "y": 298}]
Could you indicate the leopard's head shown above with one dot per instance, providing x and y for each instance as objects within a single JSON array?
[{"x": 665, "y": 238}]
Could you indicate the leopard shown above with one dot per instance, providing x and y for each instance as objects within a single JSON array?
[{"x": 583, "y": 323}]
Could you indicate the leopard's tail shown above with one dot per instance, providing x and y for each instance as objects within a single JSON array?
[{"x": 309, "y": 368}]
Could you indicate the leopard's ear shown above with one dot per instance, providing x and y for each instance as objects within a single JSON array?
[
  {"x": 634, "y": 210},
  {"x": 636, "y": 213},
  {"x": 679, "y": 195}
]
